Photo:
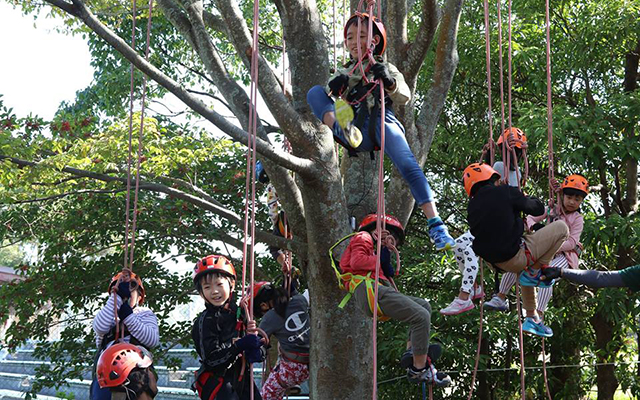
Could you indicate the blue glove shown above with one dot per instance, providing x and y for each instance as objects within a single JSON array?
[
  {"x": 124, "y": 311},
  {"x": 254, "y": 355},
  {"x": 385, "y": 263},
  {"x": 124, "y": 290},
  {"x": 248, "y": 342}
]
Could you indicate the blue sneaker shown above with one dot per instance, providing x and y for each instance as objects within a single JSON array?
[
  {"x": 536, "y": 328},
  {"x": 440, "y": 237},
  {"x": 527, "y": 279}
]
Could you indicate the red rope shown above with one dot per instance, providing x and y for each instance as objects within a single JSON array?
[
  {"x": 544, "y": 371},
  {"x": 501, "y": 70}
]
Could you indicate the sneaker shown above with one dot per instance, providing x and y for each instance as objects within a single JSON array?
[
  {"x": 434, "y": 353},
  {"x": 429, "y": 374},
  {"x": 527, "y": 279},
  {"x": 477, "y": 292},
  {"x": 344, "y": 116},
  {"x": 440, "y": 237},
  {"x": 457, "y": 306},
  {"x": 536, "y": 328},
  {"x": 496, "y": 304}
]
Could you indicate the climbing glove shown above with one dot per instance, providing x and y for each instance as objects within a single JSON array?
[
  {"x": 380, "y": 71},
  {"x": 339, "y": 84}
]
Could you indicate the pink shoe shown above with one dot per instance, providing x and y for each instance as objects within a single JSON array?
[
  {"x": 457, "y": 306},
  {"x": 477, "y": 292}
]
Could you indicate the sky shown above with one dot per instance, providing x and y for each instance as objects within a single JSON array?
[{"x": 40, "y": 68}]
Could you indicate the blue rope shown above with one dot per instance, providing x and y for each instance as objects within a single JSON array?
[{"x": 424, "y": 391}]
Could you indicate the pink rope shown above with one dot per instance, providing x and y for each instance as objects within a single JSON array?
[
  {"x": 509, "y": 65},
  {"x": 140, "y": 139},
  {"x": 501, "y": 70},
  {"x": 250, "y": 179},
  {"x": 487, "y": 39},
  {"x": 475, "y": 367},
  {"x": 544, "y": 371},
  {"x": 128, "y": 195},
  {"x": 520, "y": 341}
]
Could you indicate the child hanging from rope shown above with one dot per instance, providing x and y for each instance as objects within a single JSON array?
[
  {"x": 127, "y": 371},
  {"x": 573, "y": 190},
  {"x": 287, "y": 319},
  {"x": 358, "y": 264},
  {"x": 494, "y": 220},
  {"x": 466, "y": 258},
  {"x": 137, "y": 325},
  {"x": 220, "y": 337},
  {"x": 364, "y": 94}
]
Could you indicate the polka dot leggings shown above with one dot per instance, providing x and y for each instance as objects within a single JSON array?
[{"x": 467, "y": 261}]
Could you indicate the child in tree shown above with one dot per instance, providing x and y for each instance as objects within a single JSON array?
[
  {"x": 364, "y": 95},
  {"x": 574, "y": 189},
  {"x": 287, "y": 319},
  {"x": 219, "y": 335},
  {"x": 465, "y": 256},
  {"x": 358, "y": 262},
  {"x": 127, "y": 371},
  {"x": 137, "y": 324},
  {"x": 494, "y": 220}
]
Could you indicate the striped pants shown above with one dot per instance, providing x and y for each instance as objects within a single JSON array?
[{"x": 544, "y": 294}]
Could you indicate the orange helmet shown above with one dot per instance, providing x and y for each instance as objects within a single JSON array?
[
  {"x": 135, "y": 279},
  {"x": 117, "y": 361},
  {"x": 380, "y": 47},
  {"x": 476, "y": 173},
  {"x": 576, "y": 181},
  {"x": 369, "y": 223},
  {"x": 213, "y": 263},
  {"x": 517, "y": 133}
]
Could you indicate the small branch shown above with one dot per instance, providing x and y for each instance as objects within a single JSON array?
[{"x": 61, "y": 195}]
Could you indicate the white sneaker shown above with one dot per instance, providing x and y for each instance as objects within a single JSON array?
[
  {"x": 496, "y": 304},
  {"x": 457, "y": 306},
  {"x": 477, "y": 292}
]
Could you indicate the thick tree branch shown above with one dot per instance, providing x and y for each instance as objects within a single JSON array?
[
  {"x": 299, "y": 165},
  {"x": 445, "y": 66},
  {"x": 215, "y": 208},
  {"x": 269, "y": 86},
  {"x": 426, "y": 33}
]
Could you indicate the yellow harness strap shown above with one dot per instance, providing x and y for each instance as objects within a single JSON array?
[{"x": 350, "y": 282}]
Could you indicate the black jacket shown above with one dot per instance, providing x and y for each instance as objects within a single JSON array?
[
  {"x": 213, "y": 333},
  {"x": 494, "y": 221}
]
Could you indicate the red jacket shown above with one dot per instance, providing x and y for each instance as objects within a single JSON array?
[{"x": 360, "y": 257}]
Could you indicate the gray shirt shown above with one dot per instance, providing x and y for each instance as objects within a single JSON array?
[{"x": 292, "y": 331}]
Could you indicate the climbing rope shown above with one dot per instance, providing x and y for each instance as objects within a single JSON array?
[
  {"x": 250, "y": 199},
  {"x": 520, "y": 340},
  {"x": 475, "y": 367},
  {"x": 130, "y": 231}
]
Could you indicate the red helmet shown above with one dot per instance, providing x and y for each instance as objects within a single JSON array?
[
  {"x": 134, "y": 278},
  {"x": 259, "y": 285},
  {"x": 577, "y": 182},
  {"x": 476, "y": 173},
  {"x": 117, "y": 361},
  {"x": 380, "y": 47},
  {"x": 213, "y": 263},
  {"x": 369, "y": 223},
  {"x": 517, "y": 134}
]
